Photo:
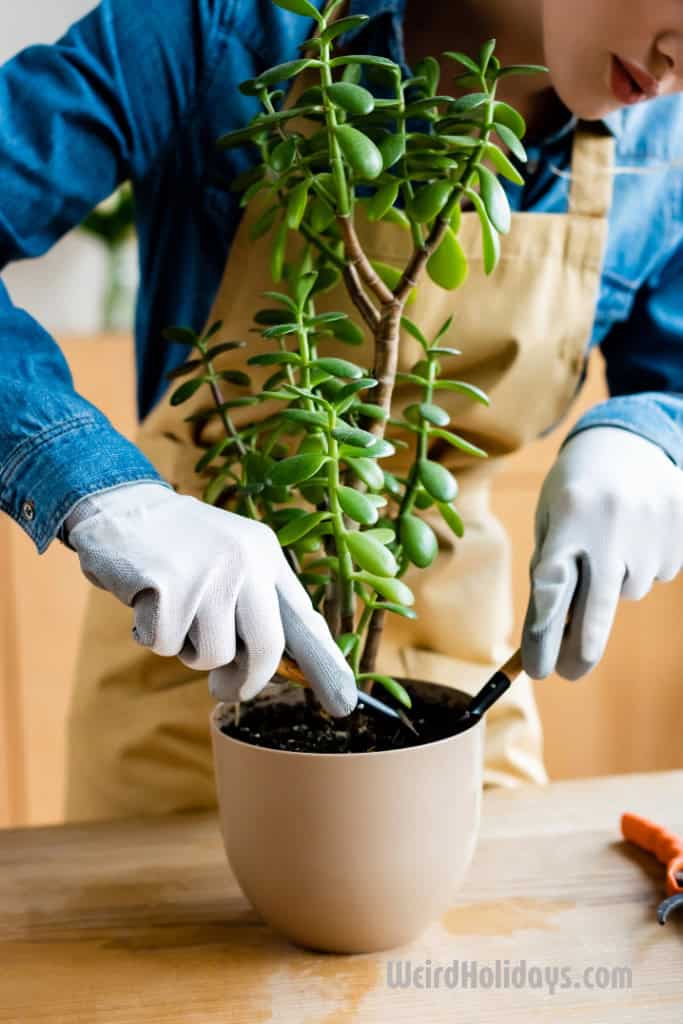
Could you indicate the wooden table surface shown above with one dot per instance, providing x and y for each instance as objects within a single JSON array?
[{"x": 142, "y": 923}]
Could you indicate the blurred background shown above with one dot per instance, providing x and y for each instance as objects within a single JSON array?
[{"x": 624, "y": 717}]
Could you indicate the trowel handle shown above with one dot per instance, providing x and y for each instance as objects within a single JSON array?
[{"x": 496, "y": 686}]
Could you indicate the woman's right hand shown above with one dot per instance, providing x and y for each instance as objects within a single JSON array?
[{"x": 210, "y": 587}]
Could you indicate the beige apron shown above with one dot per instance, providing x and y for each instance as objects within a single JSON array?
[{"x": 138, "y": 729}]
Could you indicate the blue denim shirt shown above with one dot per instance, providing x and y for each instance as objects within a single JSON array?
[{"x": 141, "y": 91}]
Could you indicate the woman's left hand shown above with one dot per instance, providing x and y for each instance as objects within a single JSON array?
[{"x": 609, "y": 522}]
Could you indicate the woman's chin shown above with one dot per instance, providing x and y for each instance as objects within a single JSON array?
[{"x": 584, "y": 105}]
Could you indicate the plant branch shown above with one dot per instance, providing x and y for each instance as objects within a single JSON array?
[
  {"x": 358, "y": 259},
  {"x": 360, "y": 300},
  {"x": 410, "y": 275}
]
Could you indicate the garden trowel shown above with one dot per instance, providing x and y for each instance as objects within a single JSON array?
[{"x": 290, "y": 671}]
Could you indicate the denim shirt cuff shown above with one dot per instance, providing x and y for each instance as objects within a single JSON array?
[
  {"x": 46, "y": 475},
  {"x": 641, "y": 414}
]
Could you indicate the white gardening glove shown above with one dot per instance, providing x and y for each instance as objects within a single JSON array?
[
  {"x": 205, "y": 585},
  {"x": 609, "y": 522}
]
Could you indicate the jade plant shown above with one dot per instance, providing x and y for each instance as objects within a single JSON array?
[{"x": 361, "y": 141}]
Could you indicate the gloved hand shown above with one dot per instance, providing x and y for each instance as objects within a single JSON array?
[
  {"x": 609, "y": 522},
  {"x": 205, "y": 585}
]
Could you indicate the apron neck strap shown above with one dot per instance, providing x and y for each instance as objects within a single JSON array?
[{"x": 592, "y": 172}]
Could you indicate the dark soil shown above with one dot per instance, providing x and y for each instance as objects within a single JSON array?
[{"x": 291, "y": 724}]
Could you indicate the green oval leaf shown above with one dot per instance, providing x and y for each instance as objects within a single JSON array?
[
  {"x": 392, "y": 148},
  {"x": 398, "y": 609},
  {"x": 299, "y": 527},
  {"x": 414, "y": 331},
  {"x": 495, "y": 200},
  {"x": 320, "y": 215},
  {"x": 362, "y": 439},
  {"x": 502, "y": 164},
  {"x": 392, "y": 589},
  {"x": 180, "y": 335},
  {"x": 384, "y": 198},
  {"x": 422, "y": 499},
  {"x": 339, "y": 367},
  {"x": 277, "y": 254},
  {"x": 382, "y": 534},
  {"x": 282, "y": 157},
  {"x": 522, "y": 69},
  {"x": 296, "y": 205},
  {"x": 392, "y": 686},
  {"x": 303, "y": 7},
  {"x": 357, "y": 507},
  {"x": 361, "y": 153},
  {"x": 281, "y": 72},
  {"x": 432, "y": 413},
  {"x": 429, "y": 201},
  {"x": 370, "y": 555},
  {"x": 347, "y": 642},
  {"x": 274, "y": 359},
  {"x": 379, "y": 449},
  {"x": 297, "y": 468},
  {"x": 211, "y": 453},
  {"x": 418, "y": 540},
  {"x": 348, "y": 332},
  {"x": 354, "y": 99},
  {"x": 437, "y": 481},
  {"x": 463, "y": 59},
  {"x": 485, "y": 54},
  {"x": 447, "y": 266},
  {"x": 458, "y": 442},
  {"x": 182, "y": 371},
  {"x": 452, "y": 518},
  {"x": 237, "y": 377},
  {"x": 466, "y": 103},
  {"x": 367, "y": 471},
  {"x": 186, "y": 390},
  {"x": 310, "y": 418},
  {"x": 471, "y": 390},
  {"x": 506, "y": 115},
  {"x": 509, "y": 139},
  {"x": 365, "y": 58},
  {"x": 342, "y": 25},
  {"x": 489, "y": 235}
]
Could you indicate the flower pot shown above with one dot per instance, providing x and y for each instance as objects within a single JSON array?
[{"x": 351, "y": 853}]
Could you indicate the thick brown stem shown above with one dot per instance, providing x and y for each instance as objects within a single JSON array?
[
  {"x": 372, "y": 641},
  {"x": 360, "y": 299},
  {"x": 357, "y": 258},
  {"x": 386, "y": 361},
  {"x": 411, "y": 274}
]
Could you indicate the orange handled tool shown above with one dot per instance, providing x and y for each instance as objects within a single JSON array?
[{"x": 667, "y": 848}]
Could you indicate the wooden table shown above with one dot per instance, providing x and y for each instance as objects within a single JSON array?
[{"x": 142, "y": 923}]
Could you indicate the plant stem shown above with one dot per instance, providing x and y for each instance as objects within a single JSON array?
[
  {"x": 338, "y": 174},
  {"x": 345, "y": 579}
]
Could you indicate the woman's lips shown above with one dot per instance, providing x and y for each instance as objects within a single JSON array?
[{"x": 630, "y": 83}]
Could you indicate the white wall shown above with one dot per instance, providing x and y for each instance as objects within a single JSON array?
[{"x": 62, "y": 289}]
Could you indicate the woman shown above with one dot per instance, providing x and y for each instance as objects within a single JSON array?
[{"x": 142, "y": 92}]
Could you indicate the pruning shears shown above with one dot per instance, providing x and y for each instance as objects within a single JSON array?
[{"x": 667, "y": 848}]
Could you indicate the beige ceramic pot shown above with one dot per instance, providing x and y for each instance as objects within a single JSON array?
[{"x": 350, "y": 853}]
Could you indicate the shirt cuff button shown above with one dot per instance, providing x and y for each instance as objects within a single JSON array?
[{"x": 28, "y": 511}]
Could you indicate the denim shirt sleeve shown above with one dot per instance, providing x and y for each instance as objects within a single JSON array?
[
  {"x": 103, "y": 104},
  {"x": 644, "y": 360}
]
